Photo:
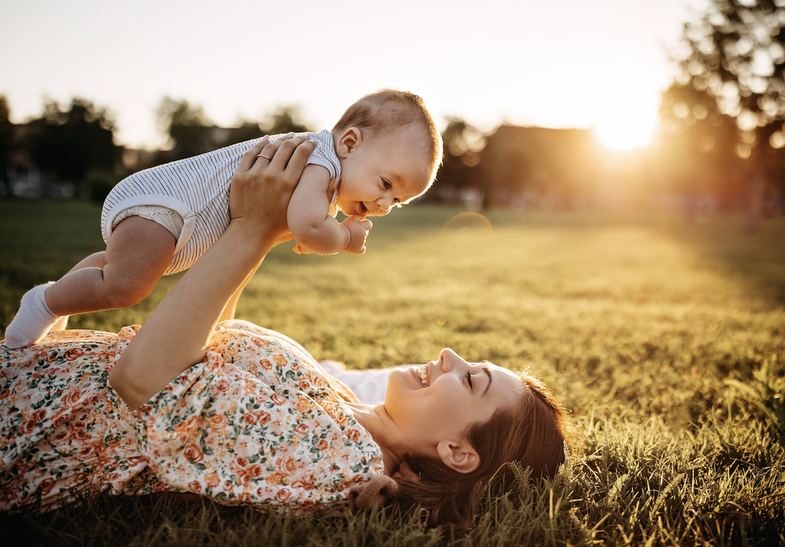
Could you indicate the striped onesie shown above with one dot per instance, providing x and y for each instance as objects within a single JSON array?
[{"x": 197, "y": 189}]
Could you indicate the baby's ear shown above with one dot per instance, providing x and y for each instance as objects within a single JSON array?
[{"x": 347, "y": 142}]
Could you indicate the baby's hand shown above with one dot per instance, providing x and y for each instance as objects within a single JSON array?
[{"x": 359, "y": 226}]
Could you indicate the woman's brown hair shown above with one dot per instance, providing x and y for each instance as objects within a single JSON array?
[{"x": 531, "y": 434}]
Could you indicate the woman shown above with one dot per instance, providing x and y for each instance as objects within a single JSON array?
[{"x": 243, "y": 414}]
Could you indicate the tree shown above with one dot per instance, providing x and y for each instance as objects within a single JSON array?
[
  {"x": 6, "y": 143},
  {"x": 697, "y": 152},
  {"x": 190, "y": 131},
  {"x": 735, "y": 53},
  {"x": 462, "y": 144},
  {"x": 283, "y": 120},
  {"x": 68, "y": 144}
]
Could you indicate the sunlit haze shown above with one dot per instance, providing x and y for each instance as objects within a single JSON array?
[{"x": 599, "y": 64}]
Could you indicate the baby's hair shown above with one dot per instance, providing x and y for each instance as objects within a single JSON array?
[{"x": 379, "y": 112}]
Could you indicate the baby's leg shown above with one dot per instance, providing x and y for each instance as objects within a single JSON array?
[
  {"x": 97, "y": 260},
  {"x": 34, "y": 318},
  {"x": 138, "y": 253}
]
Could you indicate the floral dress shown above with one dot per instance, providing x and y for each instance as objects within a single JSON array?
[{"x": 256, "y": 422}]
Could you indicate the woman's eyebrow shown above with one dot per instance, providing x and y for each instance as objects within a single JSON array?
[{"x": 487, "y": 370}]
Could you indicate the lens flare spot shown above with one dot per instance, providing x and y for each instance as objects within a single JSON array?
[{"x": 467, "y": 225}]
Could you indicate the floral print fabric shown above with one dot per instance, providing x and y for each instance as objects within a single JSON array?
[{"x": 256, "y": 422}]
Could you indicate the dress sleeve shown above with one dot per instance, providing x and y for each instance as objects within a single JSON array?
[{"x": 221, "y": 431}]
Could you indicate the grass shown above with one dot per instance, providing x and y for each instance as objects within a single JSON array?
[{"x": 665, "y": 340}]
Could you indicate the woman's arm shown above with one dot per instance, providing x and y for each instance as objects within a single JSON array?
[
  {"x": 177, "y": 332},
  {"x": 230, "y": 308}
]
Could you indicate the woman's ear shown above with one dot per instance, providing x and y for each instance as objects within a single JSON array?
[
  {"x": 460, "y": 456},
  {"x": 348, "y": 140}
]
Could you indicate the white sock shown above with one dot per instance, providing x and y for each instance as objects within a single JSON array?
[
  {"x": 60, "y": 324},
  {"x": 32, "y": 321}
]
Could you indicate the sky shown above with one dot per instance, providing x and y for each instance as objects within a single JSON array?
[{"x": 599, "y": 64}]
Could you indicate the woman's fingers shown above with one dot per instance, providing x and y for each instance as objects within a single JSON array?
[
  {"x": 268, "y": 153},
  {"x": 269, "y": 150},
  {"x": 299, "y": 157},
  {"x": 249, "y": 157},
  {"x": 263, "y": 191},
  {"x": 285, "y": 151}
]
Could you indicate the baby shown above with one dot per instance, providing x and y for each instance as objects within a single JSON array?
[{"x": 382, "y": 153}]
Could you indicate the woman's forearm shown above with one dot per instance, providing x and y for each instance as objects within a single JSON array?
[
  {"x": 231, "y": 306},
  {"x": 176, "y": 334}
]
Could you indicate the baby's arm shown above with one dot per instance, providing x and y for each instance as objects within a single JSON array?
[{"x": 311, "y": 224}]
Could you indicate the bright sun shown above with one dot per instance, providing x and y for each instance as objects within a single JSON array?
[
  {"x": 624, "y": 133},
  {"x": 622, "y": 103}
]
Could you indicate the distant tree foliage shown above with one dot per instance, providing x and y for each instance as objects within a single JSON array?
[
  {"x": 188, "y": 128},
  {"x": 735, "y": 53},
  {"x": 6, "y": 143},
  {"x": 698, "y": 148},
  {"x": 462, "y": 145},
  {"x": 283, "y": 120},
  {"x": 68, "y": 144},
  {"x": 192, "y": 133}
]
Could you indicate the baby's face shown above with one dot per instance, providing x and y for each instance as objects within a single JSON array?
[{"x": 383, "y": 170}]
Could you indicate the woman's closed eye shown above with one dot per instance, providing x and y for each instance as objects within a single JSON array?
[{"x": 469, "y": 379}]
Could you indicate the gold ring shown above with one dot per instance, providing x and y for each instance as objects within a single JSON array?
[{"x": 263, "y": 156}]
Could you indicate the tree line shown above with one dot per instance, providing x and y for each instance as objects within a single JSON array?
[
  {"x": 721, "y": 142},
  {"x": 75, "y": 144}
]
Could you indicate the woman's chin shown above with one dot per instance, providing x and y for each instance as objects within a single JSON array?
[
  {"x": 410, "y": 377},
  {"x": 402, "y": 382}
]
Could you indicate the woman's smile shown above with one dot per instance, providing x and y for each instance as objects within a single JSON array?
[
  {"x": 422, "y": 371},
  {"x": 419, "y": 376}
]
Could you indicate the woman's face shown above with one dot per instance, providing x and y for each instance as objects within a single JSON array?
[{"x": 441, "y": 400}]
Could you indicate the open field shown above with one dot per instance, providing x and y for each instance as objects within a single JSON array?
[{"x": 665, "y": 340}]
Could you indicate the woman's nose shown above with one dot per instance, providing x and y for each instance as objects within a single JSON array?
[{"x": 450, "y": 360}]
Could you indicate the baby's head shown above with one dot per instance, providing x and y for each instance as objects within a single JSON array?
[{"x": 389, "y": 149}]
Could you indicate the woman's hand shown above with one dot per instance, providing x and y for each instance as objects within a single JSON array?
[
  {"x": 261, "y": 187},
  {"x": 176, "y": 334}
]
